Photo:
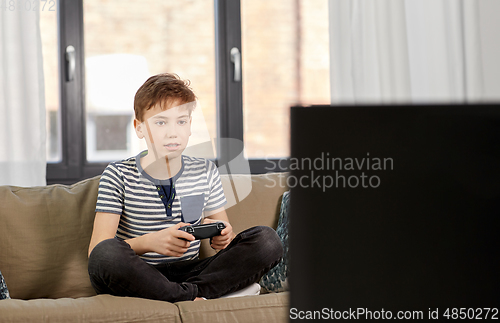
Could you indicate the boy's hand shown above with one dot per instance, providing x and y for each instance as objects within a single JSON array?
[
  {"x": 169, "y": 241},
  {"x": 225, "y": 238}
]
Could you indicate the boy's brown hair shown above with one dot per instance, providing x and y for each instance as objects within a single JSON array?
[{"x": 163, "y": 89}]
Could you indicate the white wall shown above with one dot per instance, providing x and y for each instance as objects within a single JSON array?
[{"x": 489, "y": 11}]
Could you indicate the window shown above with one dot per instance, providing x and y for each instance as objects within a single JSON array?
[
  {"x": 122, "y": 50},
  {"x": 285, "y": 62},
  {"x": 107, "y": 50}
]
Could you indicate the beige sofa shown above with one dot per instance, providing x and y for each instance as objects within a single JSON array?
[{"x": 44, "y": 237}]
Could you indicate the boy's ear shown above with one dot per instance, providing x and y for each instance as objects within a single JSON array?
[{"x": 139, "y": 128}]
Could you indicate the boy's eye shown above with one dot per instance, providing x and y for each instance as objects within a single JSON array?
[
  {"x": 160, "y": 123},
  {"x": 182, "y": 122}
]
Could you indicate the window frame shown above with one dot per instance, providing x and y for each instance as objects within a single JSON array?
[{"x": 229, "y": 97}]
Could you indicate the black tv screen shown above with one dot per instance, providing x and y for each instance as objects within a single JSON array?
[{"x": 395, "y": 211}]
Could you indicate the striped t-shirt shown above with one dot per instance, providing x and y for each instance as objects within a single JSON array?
[{"x": 126, "y": 189}]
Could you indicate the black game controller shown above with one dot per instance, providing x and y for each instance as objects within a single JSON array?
[{"x": 204, "y": 231}]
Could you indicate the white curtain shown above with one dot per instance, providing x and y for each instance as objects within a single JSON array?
[
  {"x": 405, "y": 51},
  {"x": 22, "y": 100}
]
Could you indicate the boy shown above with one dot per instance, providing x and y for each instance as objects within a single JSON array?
[{"x": 136, "y": 247}]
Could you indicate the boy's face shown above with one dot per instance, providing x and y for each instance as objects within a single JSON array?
[{"x": 166, "y": 131}]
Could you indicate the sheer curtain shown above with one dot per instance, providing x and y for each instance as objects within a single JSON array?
[
  {"x": 405, "y": 51},
  {"x": 22, "y": 101}
]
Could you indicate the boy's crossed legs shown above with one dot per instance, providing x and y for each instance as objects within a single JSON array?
[{"x": 115, "y": 269}]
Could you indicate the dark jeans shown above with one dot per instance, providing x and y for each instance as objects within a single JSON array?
[{"x": 115, "y": 269}]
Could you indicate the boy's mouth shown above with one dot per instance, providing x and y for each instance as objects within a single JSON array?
[{"x": 172, "y": 147}]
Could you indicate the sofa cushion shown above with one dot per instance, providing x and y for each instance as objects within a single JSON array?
[
  {"x": 271, "y": 307},
  {"x": 44, "y": 238},
  {"x": 276, "y": 279},
  {"x": 101, "y": 308}
]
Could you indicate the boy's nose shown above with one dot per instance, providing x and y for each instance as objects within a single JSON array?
[{"x": 171, "y": 132}]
